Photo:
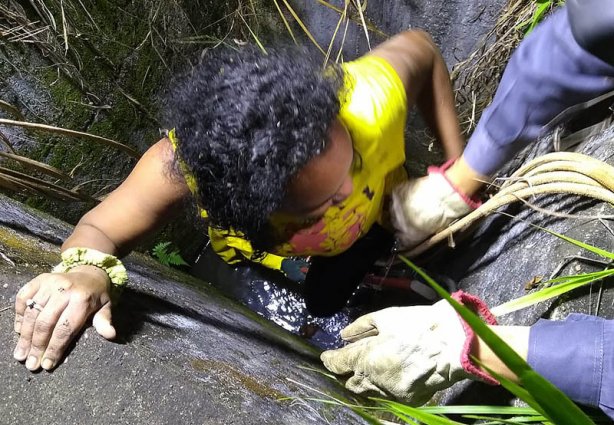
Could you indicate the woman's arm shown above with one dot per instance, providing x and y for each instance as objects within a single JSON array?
[
  {"x": 65, "y": 301},
  {"x": 421, "y": 68},
  {"x": 139, "y": 206}
]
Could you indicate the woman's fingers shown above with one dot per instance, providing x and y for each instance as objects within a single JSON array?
[
  {"x": 52, "y": 308},
  {"x": 25, "y": 293},
  {"x": 49, "y": 312},
  {"x": 68, "y": 325},
  {"x": 31, "y": 309},
  {"x": 46, "y": 322},
  {"x": 102, "y": 322}
]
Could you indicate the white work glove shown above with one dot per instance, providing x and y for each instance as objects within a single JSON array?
[
  {"x": 409, "y": 352},
  {"x": 422, "y": 207}
]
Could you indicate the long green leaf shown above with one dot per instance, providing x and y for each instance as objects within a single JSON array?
[
  {"x": 539, "y": 15},
  {"x": 479, "y": 410},
  {"x": 417, "y": 413},
  {"x": 367, "y": 417},
  {"x": 362, "y": 411},
  {"x": 555, "y": 405},
  {"x": 591, "y": 248},
  {"x": 592, "y": 275},
  {"x": 514, "y": 421},
  {"x": 572, "y": 283},
  {"x": 514, "y": 388}
]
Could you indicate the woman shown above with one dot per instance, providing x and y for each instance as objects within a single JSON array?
[{"x": 297, "y": 160}]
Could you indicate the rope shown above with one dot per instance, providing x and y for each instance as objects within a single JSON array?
[{"x": 560, "y": 172}]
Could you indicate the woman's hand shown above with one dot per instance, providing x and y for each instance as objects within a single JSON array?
[{"x": 51, "y": 310}]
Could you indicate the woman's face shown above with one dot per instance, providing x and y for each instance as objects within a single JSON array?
[{"x": 326, "y": 179}]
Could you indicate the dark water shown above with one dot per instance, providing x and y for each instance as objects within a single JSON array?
[{"x": 271, "y": 295}]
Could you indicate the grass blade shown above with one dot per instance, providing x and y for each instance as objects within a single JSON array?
[
  {"x": 11, "y": 109},
  {"x": 24, "y": 181},
  {"x": 37, "y": 166},
  {"x": 416, "y": 413},
  {"x": 514, "y": 421},
  {"x": 303, "y": 27},
  {"x": 345, "y": 31},
  {"x": 572, "y": 282},
  {"x": 6, "y": 142},
  {"x": 362, "y": 20},
  {"x": 342, "y": 17},
  {"x": 479, "y": 410},
  {"x": 253, "y": 34},
  {"x": 591, "y": 248},
  {"x": 285, "y": 21},
  {"x": 72, "y": 133}
]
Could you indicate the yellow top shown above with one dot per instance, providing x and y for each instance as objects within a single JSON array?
[{"x": 374, "y": 111}]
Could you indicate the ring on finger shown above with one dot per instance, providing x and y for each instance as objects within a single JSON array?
[
  {"x": 34, "y": 305},
  {"x": 61, "y": 289}
]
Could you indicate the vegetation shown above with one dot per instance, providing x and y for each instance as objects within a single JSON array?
[
  {"x": 168, "y": 255},
  {"x": 542, "y": 7},
  {"x": 561, "y": 285},
  {"x": 97, "y": 71}
]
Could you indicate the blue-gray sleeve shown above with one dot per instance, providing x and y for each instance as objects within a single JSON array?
[
  {"x": 592, "y": 25},
  {"x": 577, "y": 356},
  {"x": 547, "y": 73}
]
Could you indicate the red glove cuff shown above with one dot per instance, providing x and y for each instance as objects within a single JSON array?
[
  {"x": 479, "y": 307},
  {"x": 473, "y": 201}
]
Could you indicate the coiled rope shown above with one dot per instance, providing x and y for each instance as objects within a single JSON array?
[{"x": 559, "y": 172}]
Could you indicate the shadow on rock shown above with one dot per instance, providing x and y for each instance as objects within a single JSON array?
[{"x": 138, "y": 308}]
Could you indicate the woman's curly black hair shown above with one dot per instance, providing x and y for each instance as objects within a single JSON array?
[{"x": 246, "y": 123}]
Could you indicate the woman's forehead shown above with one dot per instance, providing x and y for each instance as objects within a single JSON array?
[{"x": 322, "y": 176}]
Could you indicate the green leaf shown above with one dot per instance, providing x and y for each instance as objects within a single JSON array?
[
  {"x": 479, "y": 410},
  {"x": 175, "y": 259},
  {"x": 539, "y": 15},
  {"x": 402, "y": 410},
  {"x": 570, "y": 283},
  {"x": 591, "y": 248},
  {"x": 497, "y": 421},
  {"x": 566, "y": 283},
  {"x": 538, "y": 392},
  {"x": 367, "y": 417},
  {"x": 161, "y": 251}
]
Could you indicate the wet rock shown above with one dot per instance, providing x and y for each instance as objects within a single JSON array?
[
  {"x": 185, "y": 354},
  {"x": 456, "y": 26}
]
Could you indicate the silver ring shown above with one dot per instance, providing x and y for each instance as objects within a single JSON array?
[{"x": 33, "y": 304}]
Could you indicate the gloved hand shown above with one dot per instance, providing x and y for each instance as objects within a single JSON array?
[
  {"x": 295, "y": 269},
  {"x": 422, "y": 207},
  {"x": 409, "y": 352}
]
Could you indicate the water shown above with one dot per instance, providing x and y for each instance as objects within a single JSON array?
[{"x": 278, "y": 299}]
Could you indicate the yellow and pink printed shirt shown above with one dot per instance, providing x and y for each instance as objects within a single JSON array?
[{"x": 374, "y": 110}]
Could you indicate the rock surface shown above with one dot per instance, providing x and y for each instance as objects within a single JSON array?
[{"x": 185, "y": 354}]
